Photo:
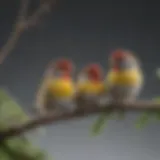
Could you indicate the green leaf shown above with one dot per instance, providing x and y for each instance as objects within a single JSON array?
[
  {"x": 23, "y": 148},
  {"x": 157, "y": 113},
  {"x": 10, "y": 112},
  {"x": 147, "y": 116},
  {"x": 100, "y": 123},
  {"x": 4, "y": 155},
  {"x": 20, "y": 147},
  {"x": 143, "y": 120},
  {"x": 158, "y": 72}
]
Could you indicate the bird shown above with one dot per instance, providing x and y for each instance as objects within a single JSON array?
[
  {"x": 122, "y": 83},
  {"x": 90, "y": 83},
  {"x": 59, "y": 88},
  {"x": 125, "y": 79}
]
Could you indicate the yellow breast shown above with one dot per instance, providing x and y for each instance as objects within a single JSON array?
[
  {"x": 61, "y": 88},
  {"x": 90, "y": 87},
  {"x": 127, "y": 77}
]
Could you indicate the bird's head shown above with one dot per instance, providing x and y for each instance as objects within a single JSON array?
[
  {"x": 122, "y": 60},
  {"x": 94, "y": 72},
  {"x": 63, "y": 67}
]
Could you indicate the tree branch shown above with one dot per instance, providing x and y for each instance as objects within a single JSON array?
[
  {"x": 16, "y": 32},
  {"x": 36, "y": 17},
  {"x": 86, "y": 111},
  {"x": 23, "y": 23},
  {"x": 23, "y": 11}
]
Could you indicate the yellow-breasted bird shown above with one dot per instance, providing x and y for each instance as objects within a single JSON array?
[
  {"x": 90, "y": 83},
  {"x": 91, "y": 87},
  {"x": 124, "y": 80},
  {"x": 59, "y": 89}
]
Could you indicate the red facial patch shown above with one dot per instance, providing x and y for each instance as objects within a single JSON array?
[
  {"x": 118, "y": 54},
  {"x": 64, "y": 65},
  {"x": 94, "y": 72}
]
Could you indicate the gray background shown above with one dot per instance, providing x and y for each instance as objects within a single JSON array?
[{"x": 86, "y": 31}]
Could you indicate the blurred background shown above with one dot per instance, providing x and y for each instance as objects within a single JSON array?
[{"x": 86, "y": 31}]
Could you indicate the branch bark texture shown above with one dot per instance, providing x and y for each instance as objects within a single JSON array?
[{"x": 85, "y": 112}]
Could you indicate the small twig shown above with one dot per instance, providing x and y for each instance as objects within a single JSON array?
[
  {"x": 87, "y": 111},
  {"x": 23, "y": 23},
  {"x": 23, "y": 11},
  {"x": 35, "y": 18},
  {"x": 16, "y": 32}
]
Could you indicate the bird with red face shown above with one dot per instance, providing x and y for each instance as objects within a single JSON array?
[
  {"x": 90, "y": 82},
  {"x": 125, "y": 78},
  {"x": 58, "y": 89},
  {"x": 123, "y": 83}
]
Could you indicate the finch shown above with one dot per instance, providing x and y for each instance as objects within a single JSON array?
[
  {"x": 90, "y": 83},
  {"x": 59, "y": 88},
  {"x": 124, "y": 80}
]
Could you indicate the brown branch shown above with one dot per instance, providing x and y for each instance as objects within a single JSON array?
[
  {"x": 23, "y": 23},
  {"x": 87, "y": 111},
  {"x": 16, "y": 32},
  {"x": 23, "y": 11}
]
